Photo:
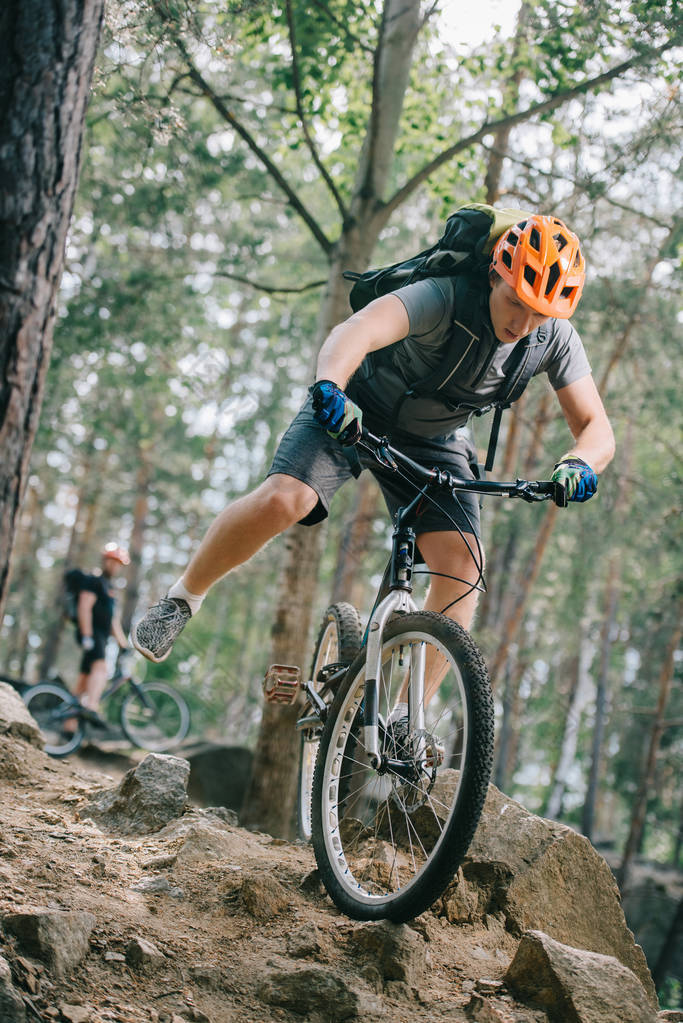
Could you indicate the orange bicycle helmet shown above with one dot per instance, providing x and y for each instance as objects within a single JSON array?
[
  {"x": 541, "y": 259},
  {"x": 112, "y": 550}
]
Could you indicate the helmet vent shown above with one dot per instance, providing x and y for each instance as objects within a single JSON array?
[
  {"x": 535, "y": 240},
  {"x": 553, "y": 277},
  {"x": 560, "y": 241},
  {"x": 512, "y": 238},
  {"x": 506, "y": 258},
  {"x": 530, "y": 275}
]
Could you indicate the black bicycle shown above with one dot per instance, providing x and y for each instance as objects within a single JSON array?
[
  {"x": 390, "y": 802},
  {"x": 151, "y": 715}
]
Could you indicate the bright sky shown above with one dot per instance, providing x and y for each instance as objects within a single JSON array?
[{"x": 470, "y": 23}]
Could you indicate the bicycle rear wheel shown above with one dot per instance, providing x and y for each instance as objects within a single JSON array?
[
  {"x": 338, "y": 642},
  {"x": 52, "y": 707},
  {"x": 388, "y": 841},
  {"x": 155, "y": 717}
]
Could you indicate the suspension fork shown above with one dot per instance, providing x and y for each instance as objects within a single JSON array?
[{"x": 397, "y": 601}]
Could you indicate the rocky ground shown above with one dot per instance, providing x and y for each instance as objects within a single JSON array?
[{"x": 196, "y": 919}]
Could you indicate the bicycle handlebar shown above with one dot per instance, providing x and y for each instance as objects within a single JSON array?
[{"x": 528, "y": 490}]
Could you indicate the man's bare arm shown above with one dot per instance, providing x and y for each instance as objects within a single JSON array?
[
  {"x": 588, "y": 422},
  {"x": 379, "y": 324}
]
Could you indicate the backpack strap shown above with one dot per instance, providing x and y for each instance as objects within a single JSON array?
[
  {"x": 462, "y": 347},
  {"x": 525, "y": 361}
]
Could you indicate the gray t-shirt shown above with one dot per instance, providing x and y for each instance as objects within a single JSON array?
[{"x": 431, "y": 309}]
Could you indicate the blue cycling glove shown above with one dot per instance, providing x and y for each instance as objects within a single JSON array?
[
  {"x": 577, "y": 477},
  {"x": 335, "y": 411}
]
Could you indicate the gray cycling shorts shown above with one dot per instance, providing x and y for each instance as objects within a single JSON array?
[{"x": 309, "y": 454}]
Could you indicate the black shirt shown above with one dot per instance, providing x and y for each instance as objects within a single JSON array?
[{"x": 103, "y": 608}]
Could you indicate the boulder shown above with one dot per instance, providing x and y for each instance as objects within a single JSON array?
[
  {"x": 219, "y": 775},
  {"x": 575, "y": 986},
  {"x": 398, "y": 952},
  {"x": 314, "y": 992},
  {"x": 15, "y": 719},
  {"x": 149, "y": 796},
  {"x": 542, "y": 876},
  {"x": 11, "y": 1003},
  {"x": 59, "y": 938}
]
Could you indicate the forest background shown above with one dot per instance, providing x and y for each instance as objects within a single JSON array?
[{"x": 237, "y": 157}]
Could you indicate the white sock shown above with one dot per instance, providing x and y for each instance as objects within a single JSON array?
[
  {"x": 400, "y": 711},
  {"x": 193, "y": 601}
]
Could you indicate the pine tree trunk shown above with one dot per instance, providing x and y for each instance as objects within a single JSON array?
[
  {"x": 79, "y": 542},
  {"x": 270, "y": 801},
  {"x": 143, "y": 479},
  {"x": 611, "y": 603},
  {"x": 601, "y": 696},
  {"x": 637, "y": 828},
  {"x": 271, "y": 795},
  {"x": 47, "y": 53},
  {"x": 350, "y": 580},
  {"x": 570, "y": 734}
]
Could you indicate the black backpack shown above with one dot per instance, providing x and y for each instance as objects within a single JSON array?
[
  {"x": 72, "y": 584},
  {"x": 463, "y": 250}
]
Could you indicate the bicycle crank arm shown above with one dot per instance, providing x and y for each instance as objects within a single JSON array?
[{"x": 318, "y": 707}]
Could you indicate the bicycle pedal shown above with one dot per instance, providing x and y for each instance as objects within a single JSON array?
[{"x": 282, "y": 684}]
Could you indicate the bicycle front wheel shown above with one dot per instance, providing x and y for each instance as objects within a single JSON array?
[
  {"x": 55, "y": 711},
  {"x": 155, "y": 717},
  {"x": 388, "y": 840},
  {"x": 338, "y": 642}
]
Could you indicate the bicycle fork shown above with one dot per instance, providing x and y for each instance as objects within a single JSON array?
[{"x": 397, "y": 601}]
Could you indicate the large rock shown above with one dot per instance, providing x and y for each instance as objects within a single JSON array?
[
  {"x": 15, "y": 719},
  {"x": 60, "y": 938},
  {"x": 149, "y": 796},
  {"x": 398, "y": 952},
  {"x": 575, "y": 986},
  {"x": 315, "y": 993},
  {"x": 543, "y": 876},
  {"x": 219, "y": 775},
  {"x": 11, "y": 1003}
]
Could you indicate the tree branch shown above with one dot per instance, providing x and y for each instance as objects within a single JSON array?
[
  {"x": 581, "y": 186},
  {"x": 270, "y": 290},
  {"x": 490, "y": 127},
  {"x": 302, "y": 117},
  {"x": 251, "y": 142}
]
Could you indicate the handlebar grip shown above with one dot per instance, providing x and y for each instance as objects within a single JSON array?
[{"x": 560, "y": 495}]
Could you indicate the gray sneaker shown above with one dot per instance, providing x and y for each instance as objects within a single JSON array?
[{"x": 155, "y": 633}]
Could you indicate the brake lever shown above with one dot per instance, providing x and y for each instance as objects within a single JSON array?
[{"x": 381, "y": 453}]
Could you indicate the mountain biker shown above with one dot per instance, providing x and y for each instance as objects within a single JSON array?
[
  {"x": 535, "y": 278},
  {"x": 97, "y": 619}
]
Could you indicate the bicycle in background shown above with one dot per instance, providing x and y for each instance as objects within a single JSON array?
[{"x": 151, "y": 715}]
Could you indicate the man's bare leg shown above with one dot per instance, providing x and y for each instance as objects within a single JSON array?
[
  {"x": 233, "y": 537},
  {"x": 242, "y": 528}
]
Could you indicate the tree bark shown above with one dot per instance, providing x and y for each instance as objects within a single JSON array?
[
  {"x": 270, "y": 800},
  {"x": 79, "y": 542},
  {"x": 637, "y": 828},
  {"x": 143, "y": 479},
  {"x": 47, "y": 54},
  {"x": 577, "y": 701},
  {"x": 350, "y": 581}
]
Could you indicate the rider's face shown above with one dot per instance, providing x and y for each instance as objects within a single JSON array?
[
  {"x": 111, "y": 567},
  {"x": 512, "y": 318}
]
